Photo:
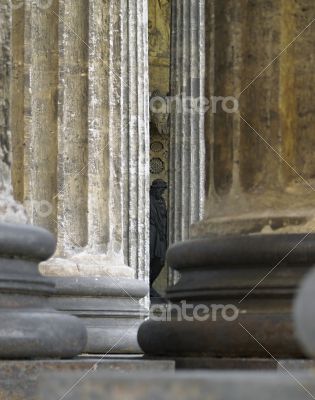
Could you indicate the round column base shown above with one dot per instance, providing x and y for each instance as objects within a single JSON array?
[
  {"x": 31, "y": 334},
  {"x": 108, "y": 307},
  {"x": 234, "y": 298},
  {"x": 29, "y": 328}
]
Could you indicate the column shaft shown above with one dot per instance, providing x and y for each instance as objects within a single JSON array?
[
  {"x": 259, "y": 180},
  {"x": 17, "y": 102},
  {"x": 86, "y": 132},
  {"x": 259, "y": 170},
  {"x": 135, "y": 101},
  {"x": 72, "y": 126},
  {"x": 29, "y": 328},
  {"x": 10, "y": 211},
  {"x": 187, "y": 118},
  {"x": 40, "y": 118}
]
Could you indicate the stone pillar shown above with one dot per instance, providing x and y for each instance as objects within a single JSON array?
[
  {"x": 304, "y": 314},
  {"x": 255, "y": 242},
  {"x": 259, "y": 169},
  {"x": 87, "y": 134},
  {"x": 187, "y": 145},
  {"x": 29, "y": 328},
  {"x": 40, "y": 112},
  {"x": 10, "y": 210}
]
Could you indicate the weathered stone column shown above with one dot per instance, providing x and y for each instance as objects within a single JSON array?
[
  {"x": 29, "y": 328},
  {"x": 259, "y": 169},
  {"x": 256, "y": 242},
  {"x": 10, "y": 210},
  {"x": 87, "y": 176},
  {"x": 187, "y": 147}
]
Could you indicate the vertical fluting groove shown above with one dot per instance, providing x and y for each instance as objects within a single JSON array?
[
  {"x": 178, "y": 132},
  {"x": 17, "y": 102},
  {"x": 224, "y": 85},
  {"x": 5, "y": 75},
  {"x": 41, "y": 80},
  {"x": 194, "y": 125},
  {"x": 146, "y": 239},
  {"x": 173, "y": 85},
  {"x": 209, "y": 65},
  {"x": 172, "y": 164},
  {"x": 289, "y": 120},
  {"x": 201, "y": 120},
  {"x": 185, "y": 144},
  {"x": 99, "y": 213},
  {"x": 142, "y": 172},
  {"x": 115, "y": 132},
  {"x": 140, "y": 133},
  {"x": 72, "y": 129},
  {"x": 236, "y": 37},
  {"x": 133, "y": 134},
  {"x": 27, "y": 120},
  {"x": 125, "y": 125}
]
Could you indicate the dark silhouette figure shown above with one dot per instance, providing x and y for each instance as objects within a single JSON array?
[{"x": 158, "y": 230}]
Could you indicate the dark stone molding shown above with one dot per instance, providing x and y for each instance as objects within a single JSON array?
[
  {"x": 109, "y": 307},
  {"x": 257, "y": 274},
  {"x": 29, "y": 327}
]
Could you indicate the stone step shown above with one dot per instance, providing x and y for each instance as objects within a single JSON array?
[
  {"x": 20, "y": 380},
  {"x": 191, "y": 385}
]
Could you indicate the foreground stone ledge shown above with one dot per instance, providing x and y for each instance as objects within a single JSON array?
[
  {"x": 20, "y": 380},
  {"x": 266, "y": 364},
  {"x": 179, "y": 386}
]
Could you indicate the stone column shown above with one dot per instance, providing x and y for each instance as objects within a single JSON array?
[
  {"x": 255, "y": 242},
  {"x": 259, "y": 169},
  {"x": 187, "y": 145},
  {"x": 86, "y": 108},
  {"x": 29, "y": 328},
  {"x": 304, "y": 314},
  {"x": 10, "y": 210}
]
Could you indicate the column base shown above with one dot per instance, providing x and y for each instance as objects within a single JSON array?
[
  {"x": 29, "y": 328},
  {"x": 234, "y": 298},
  {"x": 304, "y": 307},
  {"x": 40, "y": 333},
  {"x": 108, "y": 307}
]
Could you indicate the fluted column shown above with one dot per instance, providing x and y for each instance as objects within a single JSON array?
[
  {"x": 86, "y": 157},
  {"x": 256, "y": 241},
  {"x": 259, "y": 169},
  {"x": 10, "y": 210},
  {"x": 40, "y": 113},
  {"x": 187, "y": 145},
  {"x": 29, "y": 328}
]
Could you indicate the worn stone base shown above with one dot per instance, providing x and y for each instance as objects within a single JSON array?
[
  {"x": 29, "y": 326},
  {"x": 109, "y": 308},
  {"x": 254, "y": 278}
]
